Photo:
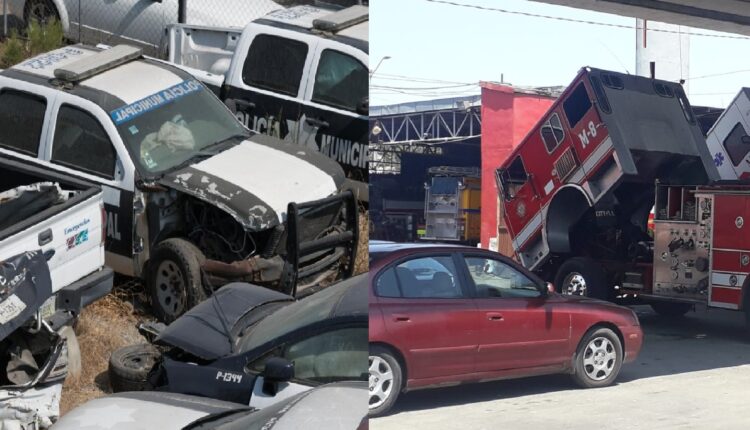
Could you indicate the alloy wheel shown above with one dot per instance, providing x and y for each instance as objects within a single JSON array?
[
  {"x": 599, "y": 358},
  {"x": 381, "y": 381}
]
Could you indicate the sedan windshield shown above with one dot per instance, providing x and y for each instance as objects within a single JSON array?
[
  {"x": 308, "y": 311},
  {"x": 174, "y": 126}
]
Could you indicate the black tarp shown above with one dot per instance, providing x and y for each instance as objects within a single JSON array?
[{"x": 25, "y": 285}]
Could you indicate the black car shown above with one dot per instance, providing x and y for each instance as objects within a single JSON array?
[{"x": 248, "y": 344}]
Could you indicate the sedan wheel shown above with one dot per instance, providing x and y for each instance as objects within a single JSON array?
[
  {"x": 385, "y": 380},
  {"x": 598, "y": 359},
  {"x": 381, "y": 381}
]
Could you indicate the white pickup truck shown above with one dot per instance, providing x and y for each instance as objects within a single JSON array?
[
  {"x": 299, "y": 74},
  {"x": 51, "y": 267}
]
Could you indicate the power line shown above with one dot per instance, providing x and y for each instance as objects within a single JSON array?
[
  {"x": 718, "y": 74},
  {"x": 579, "y": 21}
]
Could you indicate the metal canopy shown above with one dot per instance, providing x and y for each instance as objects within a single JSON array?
[{"x": 730, "y": 16}]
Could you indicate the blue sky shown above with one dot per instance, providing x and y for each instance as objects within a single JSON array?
[{"x": 446, "y": 45}]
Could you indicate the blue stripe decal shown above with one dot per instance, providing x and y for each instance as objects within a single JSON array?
[{"x": 155, "y": 101}]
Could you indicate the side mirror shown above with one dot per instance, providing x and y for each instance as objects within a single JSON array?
[
  {"x": 550, "y": 288},
  {"x": 278, "y": 370},
  {"x": 363, "y": 108}
]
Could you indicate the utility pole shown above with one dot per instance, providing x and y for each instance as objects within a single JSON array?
[{"x": 182, "y": 11}]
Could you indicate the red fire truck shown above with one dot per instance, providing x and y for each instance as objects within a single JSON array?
[{"x": 579, "y": 189}]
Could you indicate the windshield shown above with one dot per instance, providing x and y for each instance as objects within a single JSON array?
[
  {"x": 307, "y": 311},
  {"x": 169, "y": 128}
]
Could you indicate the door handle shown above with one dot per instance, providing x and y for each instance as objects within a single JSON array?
[
  {"x": 45, "y": 237},
  {"x": 317, "y": 122},
  {"x": 492, "y": 316},
  {"x": 245, "y": 104},
  {"x": 401, "y": 318}
]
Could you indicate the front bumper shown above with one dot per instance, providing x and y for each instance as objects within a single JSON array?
[{"x": 633, "y": 340}]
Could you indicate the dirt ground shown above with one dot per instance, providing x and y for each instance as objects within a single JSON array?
[{"x": 110, "y": 324}]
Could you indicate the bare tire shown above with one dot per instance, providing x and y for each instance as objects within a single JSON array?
[
  {"x": 130, "y": 366},
  {"x": 672, "y": 310},
  {"x": 582, "y": 276},
  {"x": 385, "y": 380},
  {"x": 174, "y": 278},
  {"x": 598, "y": 359}
]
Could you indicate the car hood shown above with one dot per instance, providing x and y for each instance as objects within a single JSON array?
[
  {"x": 202, "y": 331},
  {"x": 143, "y": 410},
  {"x": 255, "y": 181},
  {"x": 593, "y": 303},
  {"x": 204, "y": 12}
]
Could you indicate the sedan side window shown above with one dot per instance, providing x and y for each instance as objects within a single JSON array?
[
  {"x": 426, "y": 277},
  {"x": 337, "y": 355},
  {"x": 82, "y": 143},
  {"x": 494, "y": 278}
]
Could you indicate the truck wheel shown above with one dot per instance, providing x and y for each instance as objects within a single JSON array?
[
  {"x": 598, "y": 359},
  {"x": 672, "y": 310},
  {"x": 385, "y": 380},
  {"x": 582, "y": 276},
  {"x": 174, "y": 278},
  {"x": 129, "y": 367}
]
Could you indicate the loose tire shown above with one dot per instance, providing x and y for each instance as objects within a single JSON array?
[
  {"x": 584, "y": 277},
  {"x": 385, "y": 380},
  {"x": 598, "y": 359},
  {"x": 130, "y": 366},
  {"x": 671, "y": 310},
  {"x": 174, "y": 278}
]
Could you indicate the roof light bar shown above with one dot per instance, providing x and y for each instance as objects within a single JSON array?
[
  {"x": 342, "y": 19},
  {"x": 97, "y": 63}
]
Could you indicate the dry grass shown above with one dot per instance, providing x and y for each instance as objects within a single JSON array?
[
  {"x": 103, "y": 327},
  {"x": 362, "y": 263}
]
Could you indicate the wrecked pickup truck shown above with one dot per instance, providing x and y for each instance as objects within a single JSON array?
[
  {"x": 193, "y": 198},
  {"x": 51, "y": 267}
]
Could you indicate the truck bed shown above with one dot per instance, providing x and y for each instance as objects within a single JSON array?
[{"x": 64, "y": 208}]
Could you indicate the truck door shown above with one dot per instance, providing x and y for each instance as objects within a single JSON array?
[
  {"x": 335, "y": 107},
  {"x": 83, "y": 142},
  {"x": 730, "y": 251},
  {"x": 268, "y": 86},
  {"x": 729, "y": 142}
]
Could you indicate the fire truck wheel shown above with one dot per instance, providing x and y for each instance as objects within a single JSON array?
[
  {"x": 582, "y": 276},
  {"x": 672, "y": 310},
  {"x": 598, "y": 358}
]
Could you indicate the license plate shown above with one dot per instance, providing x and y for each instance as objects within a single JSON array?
[
  {"x": 48, "y": 308},
  {"x": 11, "y": 308}
]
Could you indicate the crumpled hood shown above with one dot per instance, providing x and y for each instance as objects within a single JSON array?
[
  {"x": 256, "y": 180},
  {"x": 142, "y": 410}
]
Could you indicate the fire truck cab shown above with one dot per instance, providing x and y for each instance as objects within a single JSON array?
[{"x": 577, "y": 191}]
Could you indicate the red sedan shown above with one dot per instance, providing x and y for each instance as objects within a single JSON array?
[{"x": 442, "y": 315}]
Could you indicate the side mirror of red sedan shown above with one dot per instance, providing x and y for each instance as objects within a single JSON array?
[{"x": 550, "y": 288}]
